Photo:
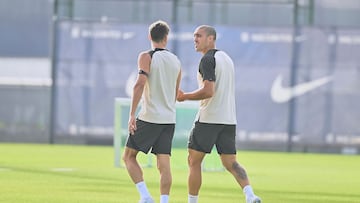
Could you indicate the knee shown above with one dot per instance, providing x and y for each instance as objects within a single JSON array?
[
  {"x": 193, "y": 162},
  {"x": 125, "y": 159},
  {"x": 228, "y": 166},
  {"x": 164, "y": 169},
  {"x": 128, "y": 158}
]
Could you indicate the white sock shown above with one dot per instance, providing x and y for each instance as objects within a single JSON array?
[
  {"x": 144, "y": 192},
  {"x": 248, "y": 191},
  {"x": 164, "y": 198},
  {"x": 192, "y": 199}
]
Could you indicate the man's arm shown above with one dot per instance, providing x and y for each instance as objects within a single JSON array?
[
  {"x": 144, "y": 61},
  {"x": 178, "y": 84},
  {"x": 206, "y": 91}
]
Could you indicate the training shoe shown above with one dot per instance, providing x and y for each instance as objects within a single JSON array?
[
  {"x": 147, "y": 200},
  {"x": 253, "y": 199}
]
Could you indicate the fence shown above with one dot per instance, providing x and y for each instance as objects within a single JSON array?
[{"x": 303, "y": 42}]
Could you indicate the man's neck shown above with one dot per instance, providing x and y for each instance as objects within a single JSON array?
[
  {"x": 160, "y": 45},
  {"x": 206, "y": 50}
]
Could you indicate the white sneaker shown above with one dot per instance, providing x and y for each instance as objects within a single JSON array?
[
  {"x": 147, "y": 200},
  {"x": 253, "y": 199}
]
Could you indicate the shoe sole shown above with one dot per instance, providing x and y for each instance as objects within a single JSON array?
[{"x": 257, "y": 201}]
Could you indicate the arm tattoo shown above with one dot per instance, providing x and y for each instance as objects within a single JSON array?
[{"x": 240, "y": 171}]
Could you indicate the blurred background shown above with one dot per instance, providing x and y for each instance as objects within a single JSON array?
[{"x": 63, "y": 62}]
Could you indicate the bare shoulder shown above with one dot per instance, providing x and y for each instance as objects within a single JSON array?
[
  {"x": 144, "y": 56},
  {"x": 144, "y": 61}
]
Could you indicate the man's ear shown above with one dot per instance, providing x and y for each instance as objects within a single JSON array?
[{"x": 212, "y": 37}]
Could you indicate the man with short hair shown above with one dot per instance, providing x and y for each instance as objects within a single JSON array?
[
  {"x": 157, "y": 83},
  {"x": 216, "y": 120}
]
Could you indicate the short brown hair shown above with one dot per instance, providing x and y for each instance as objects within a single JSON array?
[
  {"x": 159, "y": 30},
  {"x": 210, "y": 31}
]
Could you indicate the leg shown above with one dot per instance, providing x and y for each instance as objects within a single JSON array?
[
  {"x": 132, "y": 165},
  {"x": 194, "y": 161},
  {"x": 163, "y": 165},
  {"x": 231, "y": 165},
  {"x": 136, "y": 174}
]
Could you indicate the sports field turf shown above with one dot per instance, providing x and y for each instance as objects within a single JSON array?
[{"x": 32, "y": 173}]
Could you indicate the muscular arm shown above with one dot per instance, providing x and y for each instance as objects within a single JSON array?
[
  {"x": 206, "y": 91},
  {"x": 144, "y": 60}
]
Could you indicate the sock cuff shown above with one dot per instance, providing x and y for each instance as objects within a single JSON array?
[
  {"x": 193, "y": 196},
  {"x": 248, "y": 190},
  {"x": 140, "y": 184}
]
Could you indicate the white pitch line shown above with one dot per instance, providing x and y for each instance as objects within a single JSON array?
[
  {"x": 63, "y": 169},
  {"x": 4, "y": 169}
]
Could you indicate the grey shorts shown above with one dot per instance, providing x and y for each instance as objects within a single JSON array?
[
  {"x": 151, "y": 135},
  {"x": 205, "y": 135}
]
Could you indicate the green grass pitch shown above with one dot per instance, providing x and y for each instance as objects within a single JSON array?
[{"x": 32, "y": 173}]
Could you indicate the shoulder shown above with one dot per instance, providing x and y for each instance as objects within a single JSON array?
[
  {"x": 210, "y": 55},
  {"x": 221, "y": 53},
  {"x": 211, "y": 52},
  {"x": 223, "y": 56},
  {"x": 144, "y": 55}
]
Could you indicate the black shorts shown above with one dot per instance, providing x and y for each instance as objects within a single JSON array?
[
  {"x": 205, "y": 135},
  {"x": 151, "y": 135}
]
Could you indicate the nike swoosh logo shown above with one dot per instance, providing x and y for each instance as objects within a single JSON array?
[{"x": 281, "y": 94}]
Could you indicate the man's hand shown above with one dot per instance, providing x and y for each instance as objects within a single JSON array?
[
  {"x": 180, "y": 96},
  {"x": 132, "y": 125}
]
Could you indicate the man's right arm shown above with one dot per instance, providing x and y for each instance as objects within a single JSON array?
[
  {"x": 206, "y": 91},
  {"x": 178, "y": 84},
  {"x": 144, "y": 61}
]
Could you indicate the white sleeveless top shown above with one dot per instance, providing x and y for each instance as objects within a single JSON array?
[
  {"x": 220, "y": 108},
  {"x": 159, "y": 96}
]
